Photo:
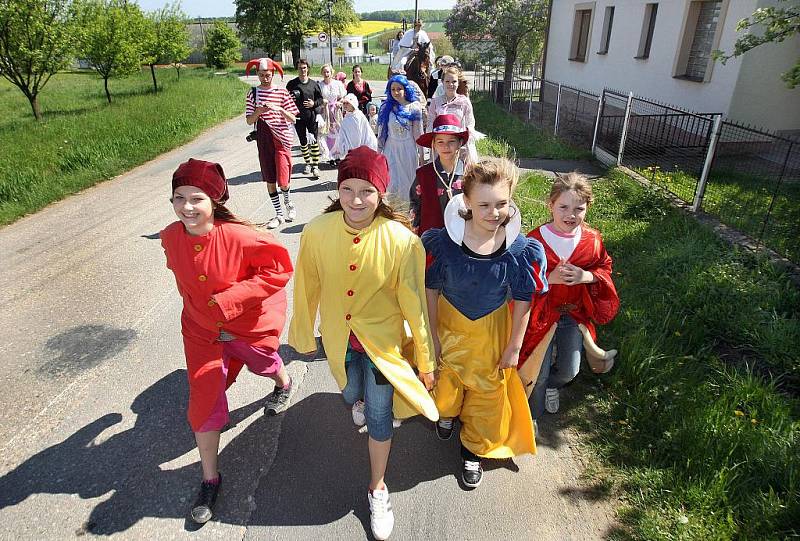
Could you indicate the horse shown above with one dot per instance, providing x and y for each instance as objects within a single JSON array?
[{"x": 418, "y": 67}]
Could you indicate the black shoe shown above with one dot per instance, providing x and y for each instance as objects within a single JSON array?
[
  {"x": 471, "y": 473},
  {"x": 203, "y": 508},
  {"x": 444, "y": 428},
  {"x": 278, "y": 400}
]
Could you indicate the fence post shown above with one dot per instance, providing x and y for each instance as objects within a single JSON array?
[
  {"x": 530, "y": 97},
  {"x": 624, "y": 136},
  {"x": 597, "y": 120},
  {"x": 510, "y": 89},
  {"x": 712, "y": 147},
  {"x": 775, "y": 192},
  {"x": 558, "y": 104}
]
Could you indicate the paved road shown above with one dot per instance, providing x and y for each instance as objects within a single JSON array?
[{"x": 92, "y": 432}]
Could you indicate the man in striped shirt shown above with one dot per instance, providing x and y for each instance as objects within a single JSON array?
[{"x": 273, "y": 111}]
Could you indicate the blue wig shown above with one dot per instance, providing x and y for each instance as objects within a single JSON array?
[{"x": 403, "y": 113}]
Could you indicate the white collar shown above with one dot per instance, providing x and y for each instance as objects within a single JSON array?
[{"x": 455, "y": 224}]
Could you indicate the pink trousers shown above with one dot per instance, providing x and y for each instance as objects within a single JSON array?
[{"x": 259, "y": 360}]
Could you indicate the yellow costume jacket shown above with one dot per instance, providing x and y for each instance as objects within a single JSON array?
[{"x": 366, "y": 281}]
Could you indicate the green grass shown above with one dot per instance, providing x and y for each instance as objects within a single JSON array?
[
  {"x": 697, "y": 427},
  {"x": 742, "y": 201},
  {"x": 83, "y": 140},
  {"x": 505, "y": 131}
]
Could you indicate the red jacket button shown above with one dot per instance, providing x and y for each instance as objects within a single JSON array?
[
  {"x": 350, "y": 293},
  {"x": 353, "y": 267},
  {"x": 356, "y": 240},
  {"x": 347, "y": 317}
]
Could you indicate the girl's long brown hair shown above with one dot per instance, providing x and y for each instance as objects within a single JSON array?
[
  {"x": 384, "y": 209},
  {"x": 223, "y": 214}
]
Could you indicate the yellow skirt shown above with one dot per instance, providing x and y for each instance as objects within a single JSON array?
[{"x": 491, "y": 403}]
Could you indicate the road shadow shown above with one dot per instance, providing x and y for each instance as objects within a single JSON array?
[
  {"x": 248, "y": 178},
  {"x": 133, "y": 464},
  {"x": 293, "y": 229},
  {"x": 319, "y": 186},
  {"x": 80, "y": 348},
  {"x": 321, "y": 471}
]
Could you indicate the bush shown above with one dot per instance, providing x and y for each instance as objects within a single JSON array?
[{"x": 224, "y": 47}]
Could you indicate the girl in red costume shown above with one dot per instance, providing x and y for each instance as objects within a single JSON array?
[
  {"x": 231, "y": 278},
  {"x": 581, "y": 295}
]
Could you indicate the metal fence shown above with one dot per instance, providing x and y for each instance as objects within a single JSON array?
[{"x": 746, "y": 177}]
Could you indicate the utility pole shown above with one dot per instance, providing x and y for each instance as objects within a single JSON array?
[
  {"x": 330, "y": 31},
  {"x": 416, "y": 10}
]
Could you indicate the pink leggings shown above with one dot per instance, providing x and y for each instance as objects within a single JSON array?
[{"x": 259, "y": 360}]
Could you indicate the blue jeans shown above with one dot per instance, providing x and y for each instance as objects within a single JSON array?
[
  {"x": 365, "y": 382},
  {"x": 555, "y": 373}
]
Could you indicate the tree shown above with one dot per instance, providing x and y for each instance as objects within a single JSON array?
[
  {"x": 779, "y": 23},
  {"x": 110, "y": 37},
  {"x": 223, "y": 46},
  {"x": 505, "y": 22},
  {"x": 35, "y": 43},
  {"x": 167, "y": 39},
  {"x": 281, "y": 24}
]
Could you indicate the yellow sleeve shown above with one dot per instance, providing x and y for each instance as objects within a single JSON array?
[
  {"x": 306, "y": 298},
  {"x": 413, "y": 305}
]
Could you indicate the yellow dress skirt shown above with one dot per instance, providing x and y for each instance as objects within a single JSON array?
[{"x": 491, "y": 403}]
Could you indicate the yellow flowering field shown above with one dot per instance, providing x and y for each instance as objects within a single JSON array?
[{"x": 365, "y": 28}]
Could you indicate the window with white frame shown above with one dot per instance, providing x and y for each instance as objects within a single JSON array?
[
  {"x": 648, "y": 29},
  {"x": 700, "y": 38},
  {"x": 608, "y": 23},
  {"x": 581, "y": 32}
]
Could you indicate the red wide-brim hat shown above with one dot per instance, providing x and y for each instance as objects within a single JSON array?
[{"x": 444, "y": 124}]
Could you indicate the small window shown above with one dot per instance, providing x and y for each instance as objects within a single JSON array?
[
  {"x": 608, "y": 22},
  {"x": 648, "y": 27},
  {"x": 703, "y": 41},
  {"x": 580, "y": 35}
]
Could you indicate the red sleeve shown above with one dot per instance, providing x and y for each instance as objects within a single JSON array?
[
  {"x": 603, "y": 293},
  {"x": 271, "y": 270}
]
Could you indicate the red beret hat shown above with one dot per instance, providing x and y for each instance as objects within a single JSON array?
[
  {"x": 208, "y": 176},
  {"x": 366, "y": 164}
]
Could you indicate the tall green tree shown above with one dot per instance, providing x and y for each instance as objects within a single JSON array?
[
  {"x": 111, "y": 37},
  {"x": 167, "y": 39},
  {"x": 281, "y": 24},
  {"x": 505, "y": 23},
  {"x": 776, "y": 24},
  {"x": 36, "y": 41},
  {"x": 223, "y": 47}
]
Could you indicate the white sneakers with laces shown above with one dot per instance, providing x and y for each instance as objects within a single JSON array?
[
  {"x": 551, "y": 400},
  {"x": 381, "y": 518},
  {"x": 275, "y": 222},
  {"x": 291, "y": 212},
  {"x": 358, "y": 413}
]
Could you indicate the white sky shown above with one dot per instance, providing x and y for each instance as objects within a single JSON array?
[{"x": 226, "y": 8}]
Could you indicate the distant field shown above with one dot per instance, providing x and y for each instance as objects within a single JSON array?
[{"x": 366, "y": 28}]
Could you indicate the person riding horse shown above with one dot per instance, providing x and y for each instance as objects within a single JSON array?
[{"x": 411, "y": 40}]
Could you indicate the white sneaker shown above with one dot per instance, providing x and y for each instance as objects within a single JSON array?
[
  {"x": 551, "y": 402},
  {"x": 381, "y": 515},
  {"x": 276, "y": 222},
  {"x": 291, "y": 212},
  {"x": 358, "y": 413},
  {"x": 315, "y": 172},
  {"x": 307, "y": 169}
]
